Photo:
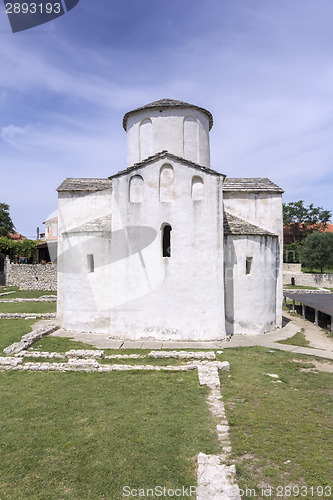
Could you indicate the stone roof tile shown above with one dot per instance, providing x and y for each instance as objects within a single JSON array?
[
  {"x": 165, "y": 154},
  {"x": 168, "y": 103},
  {"x": 235, "y": 226},
  {"x": 250, "y": 184},
  {"x": 84, "y": 184},
  {"x": 101, "y": 224}
]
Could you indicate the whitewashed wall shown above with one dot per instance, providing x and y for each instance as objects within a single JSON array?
[
  {"x": 182, "y": 132},
  {"x": 83, "y": 298},
  {"x": 250, "y": 298},
  {"x": 181, "y": 297},
  {"x": 135, "y": 292},
  {"x": 263, "y": 210}
]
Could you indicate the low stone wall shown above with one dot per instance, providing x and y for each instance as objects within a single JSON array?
[
  {"x": 292, "y": 268},
  {"x": 31, "y": 276},
  {"x": 308, "y": 279}
]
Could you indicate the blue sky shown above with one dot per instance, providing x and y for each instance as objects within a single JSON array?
[{"x": 264, "y": 68}]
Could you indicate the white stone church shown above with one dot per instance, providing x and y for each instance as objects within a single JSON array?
[{"x": 168, "y": 248}]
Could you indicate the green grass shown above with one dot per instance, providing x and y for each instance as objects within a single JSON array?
[
  {"x": 23, "y": 294},
  {"x": 297, "y": 339},
  {"x": 86, "y": 436},
  {"x": 299, "y": 287},
  {"x": 326, "y": 270},
  {"x": 271, "y": 423},
  {"x": 59, "y": 344},
  {"x": 28, "y": 307},
  {"x": 11, "y": 330}
]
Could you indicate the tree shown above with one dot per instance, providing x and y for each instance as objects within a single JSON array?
[
  {"x": 317, "y": 251},
  {"x": 302, "y": 220},
  {"x": 26, "y": 248},
  {"x": 291, "y": 252},
  {"x": 6, "y": 223},
  {"x": 6, "y": 245},
  {"x": 16, "y": 248}
]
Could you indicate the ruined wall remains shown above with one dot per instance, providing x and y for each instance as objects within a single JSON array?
[
  {"x": 31, "y": 276},
  {"x": 309, "y": 279}
]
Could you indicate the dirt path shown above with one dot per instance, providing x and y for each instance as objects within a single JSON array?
[{"x": 314, "y": 334}]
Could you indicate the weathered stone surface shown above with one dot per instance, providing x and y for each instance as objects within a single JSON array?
[
  {"x": 31, "y": 337},
  {"x": 12, "y": 362},
  {"x": 308, "y": 279},
  {"x": 31, "y": 276},
  {"x": 208, "y": 376},
  {"x": 41, "y": 354},
  {"x": 235, "y": 225},
  {"x": 182, "y": 355},
  {"x": 84, "y": 353},
  {"x": 27, "y": 315},
  {"x": 83, "y": 363},
  {"x": 216, "y": 480},
  {"x": 84, "y": 184},
  {"x": 307, "y": 291},
  {"x": 208, "y": 373},
  {"x": 41, "y": 299},
  {"x": 125, "y": 356},
  {"x": 255, "y": 184}
]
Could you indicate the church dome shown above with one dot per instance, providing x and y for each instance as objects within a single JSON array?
[
  {"x": 168, "y": 103},
  {"x": 180, "y": 128}
]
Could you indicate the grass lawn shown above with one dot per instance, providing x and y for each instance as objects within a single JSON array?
[
  {"x": 297, "y": 339},
  {"x": 23, "y": 294},
  {"x": 28, "y": 307},
  {"x": 86, "y": 436},
  {"x": 281, "y": 433},
  {"x": 299, "y": 287},
  {"x": 326, "y": 270},
  {"x": 11, "y": 330},
  {"x": 59, "y": 344}
]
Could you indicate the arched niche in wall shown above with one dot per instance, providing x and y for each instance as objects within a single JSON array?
[
  {"x": 197, "y": 188},
  {"x": 136, "y": 185},
  {"x": 146, "y": 139},
  {"x": 191, "y": 139},
  {"x": 167, "y": 177}
]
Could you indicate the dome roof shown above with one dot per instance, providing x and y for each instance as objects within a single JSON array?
[{"x": 168, "y": 103}]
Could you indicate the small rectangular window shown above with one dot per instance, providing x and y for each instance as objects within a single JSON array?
[
  {"x": 248, "y": 264},
  {"x": 90, "y": 263}
]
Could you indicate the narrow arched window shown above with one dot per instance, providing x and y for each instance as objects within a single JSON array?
[
  {"x": 166, "y": 183},
  {"x": 191, "y": 139},
  {"x": 146, "y": 139},
  {"x": 197, "y": 188},
  {"x": 136, "y": 185},
  {"x": 166, "y": 240}
]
